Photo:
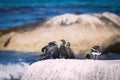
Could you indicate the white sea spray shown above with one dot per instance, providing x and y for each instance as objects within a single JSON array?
[{"x": 12, "y": 70}]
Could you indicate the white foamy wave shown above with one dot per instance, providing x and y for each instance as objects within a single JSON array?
[{"x": 12, "y": 70}]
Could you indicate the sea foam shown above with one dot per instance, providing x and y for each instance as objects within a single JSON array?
[{"x": 12, "y": 70}]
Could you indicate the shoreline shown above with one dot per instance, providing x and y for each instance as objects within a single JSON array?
[{"x": 105, "y": 56}]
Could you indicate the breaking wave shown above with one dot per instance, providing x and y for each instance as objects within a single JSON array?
[{"x": 15, "y": 71}]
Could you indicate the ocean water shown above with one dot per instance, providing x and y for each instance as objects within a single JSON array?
[
  {"x": 14, "y": 64},
  {"x": 14, "y": 13}
]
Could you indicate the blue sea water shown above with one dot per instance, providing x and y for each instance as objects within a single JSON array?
[
  {"x": 15, "y": 63},
  {"x": 20, "y": 12}
]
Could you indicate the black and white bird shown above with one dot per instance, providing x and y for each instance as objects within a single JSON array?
[
  {"x": 63, "y": 50},
  {"x": 54, "y": 52},
  {"x": 88, "y": 56},
  {"x": 96, "y": 51},
  {"x": 46, "y": 51},
  {"x": 70, "y": 51},
  {"x": 50, "y": 51}
]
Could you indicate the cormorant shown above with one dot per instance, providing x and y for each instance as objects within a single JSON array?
[{"x": 96, "y": 51}]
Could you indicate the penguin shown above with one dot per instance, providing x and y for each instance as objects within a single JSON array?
[
  {"x": 63, "y": 51},
  {"x": 46, "y": 51},
  {"x": 70, "y": 52},
  {"x": 50, "y": 51},
  {"x": 96, "y": 51},
  {"x": 45, "y": 48},
  {"x": 88, "y": 56},
  {"x": 54, "y": 50}
]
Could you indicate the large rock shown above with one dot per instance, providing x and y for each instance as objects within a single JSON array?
[
  {"x": 73, "y": 70},
  {"x": 83, "y": 31}
]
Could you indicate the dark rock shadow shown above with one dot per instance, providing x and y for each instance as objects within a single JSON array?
[
  {"x": 7, "y": 42},
  {"x": 24, "y": 28}
]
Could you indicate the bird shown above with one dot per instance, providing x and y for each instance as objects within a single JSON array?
[
  {"x": 88, "y": 56},
  {"x": 96, "y": 51},
  {"x": 50, "y": 51},
  {"x": 63, "y": 51},
  {"x": 70, "y": 52},
  {"x": 46, "y": 48},
  {"x": 46, "y": 51},
  {"x": 54, "y": 50}
]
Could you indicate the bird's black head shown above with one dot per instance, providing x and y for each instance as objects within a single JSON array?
[
  {"x": 97, "y": 48},
  {"x": 54, "y": 43},
  {"x": 68, "y": 44},
  {"x": 63, "y": 41},
  {"x": 50, "y": 43}
]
